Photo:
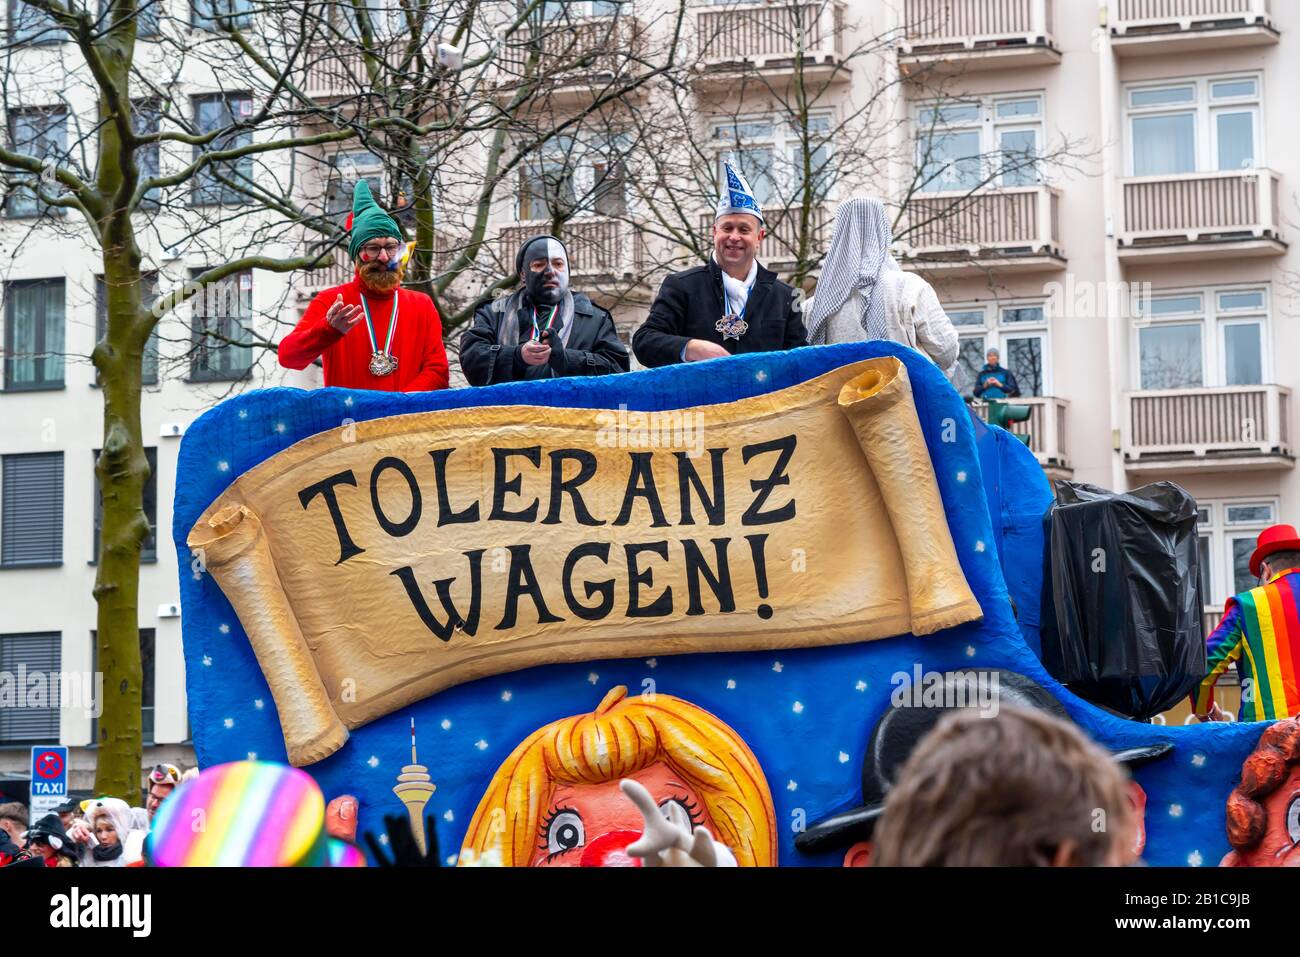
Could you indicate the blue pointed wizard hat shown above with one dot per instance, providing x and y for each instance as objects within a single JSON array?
[{"x": 736, "y": 195}]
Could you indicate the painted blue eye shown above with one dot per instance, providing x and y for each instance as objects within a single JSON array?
[
  {"x": 1293, "y": 820},
  {"x": 565, "y": 832},
  {"x": 686, "y": 812}
]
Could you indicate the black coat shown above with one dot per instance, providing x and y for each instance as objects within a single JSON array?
[
  {"x": 594, "y": 348},
  {"x": 690, "y": 303}
]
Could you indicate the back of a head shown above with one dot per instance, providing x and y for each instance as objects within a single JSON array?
[
  {"x": 1012, "y": 790},
  {"x": 1283, "y": 561}
]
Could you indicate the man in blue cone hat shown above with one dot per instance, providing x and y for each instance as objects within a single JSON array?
[{"x": 729, "y": 305}]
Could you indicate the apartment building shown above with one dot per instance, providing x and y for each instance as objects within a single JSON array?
[{"x": 1121, "y": 180}]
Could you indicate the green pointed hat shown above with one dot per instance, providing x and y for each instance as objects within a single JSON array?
[{"x": 368, "y": 221}]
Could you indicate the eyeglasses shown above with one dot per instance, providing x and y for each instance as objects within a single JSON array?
[
  {"x": 165, "y": 774},
  {"x": 371, "y": 251}
]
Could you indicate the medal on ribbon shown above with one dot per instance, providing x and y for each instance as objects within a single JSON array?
[
  {"x": 732, "y": 325},
  {"x": 383, "y": 362}
]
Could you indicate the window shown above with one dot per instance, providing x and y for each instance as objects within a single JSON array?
[
  {"x": 36, "y": 654},
  {"x": 147, "y": 698},
  {"x": 1206, "y": 337},
  {"x": 1228, "y": 531},
  {"x": 149, "y": 365},
  {"x": 147, "y": 115},
  {"x": 221, "y": 315},
  {"x": 346, "y": 170},
  {"x": 769, "y": 153},
  {"x": 575, "y": 178},
  {"x": 31, "y": 509},
  {"x": 1194, "y": 126},
  {"x": 208, "y": 12},
  {"x": 149, "y": 550},
  {"x": 28, "y": 25},
  {"x": 1017, "y": 331},
  {"x": 147, "y": 14},
  {"x": 994, "y": 141},
  {"x": 564, "y": 9},
  {"x": 34, "y": 331},
  {"x": 41, "y": 132},
  {"x": 221, "y": 112}
]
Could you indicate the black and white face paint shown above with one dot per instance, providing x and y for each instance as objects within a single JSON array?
[{"x": 546, "y": 271}]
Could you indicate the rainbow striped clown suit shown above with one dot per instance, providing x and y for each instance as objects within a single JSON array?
[{"x": 1262, "y": 627}]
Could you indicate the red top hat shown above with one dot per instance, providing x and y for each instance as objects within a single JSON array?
[{"x": 1276, "y": 538}]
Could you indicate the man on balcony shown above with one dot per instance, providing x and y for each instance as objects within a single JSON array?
[
  {"x": 993, "y": 381},
  {"x": 1264, "y": 623},
  {"x": 400, "y": 346},
  {"x": 729, "y": 305},
  {"x": 544, "y": 330}
]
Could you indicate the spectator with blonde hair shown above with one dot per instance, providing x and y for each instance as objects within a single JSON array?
[{"x": 556, "y": 800}]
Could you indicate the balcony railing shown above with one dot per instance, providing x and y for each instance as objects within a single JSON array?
[
  {"x": 1023, "y": 219},
  {"x": 1192, "y": 207},
  {"x": 574, "y": 50},
  {"x": 1184, "y": 14},
  {"x": 1045, "y": 428},
  {"x": 971, "y": 23},
  {"x": 597, "y": 246},
  {"x": 759, "y": 33},
  {"x": 1208, "y": 423},
  {"x": 317, "y": 280}
]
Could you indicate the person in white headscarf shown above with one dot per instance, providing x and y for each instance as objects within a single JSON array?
[{"x": 864, "y": 294}]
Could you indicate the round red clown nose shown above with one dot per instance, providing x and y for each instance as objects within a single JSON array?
[{"x": 610, "y": 850}]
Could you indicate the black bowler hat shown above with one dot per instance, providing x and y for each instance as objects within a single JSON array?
[{"x": 901, "y": 727}]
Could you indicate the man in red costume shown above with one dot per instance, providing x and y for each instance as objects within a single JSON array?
[{"x": 398, "y": 347}]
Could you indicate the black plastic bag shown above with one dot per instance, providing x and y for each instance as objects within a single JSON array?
[{"x": 1124, "y": 582}]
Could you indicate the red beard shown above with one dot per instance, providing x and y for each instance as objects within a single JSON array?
[{"x": 377, "y": 277}]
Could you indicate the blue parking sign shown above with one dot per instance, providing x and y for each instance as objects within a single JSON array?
[{"x": 49, "y": 786}]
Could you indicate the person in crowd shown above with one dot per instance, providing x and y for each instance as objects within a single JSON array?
[
  {"x": 729, "y": 305},
  {"x": 993, "y": 381},
  {"x": 48, "y": 842},
  {"x": 1262, "y": 623},
  {"x": 13, "y": 821},
  {"x": 371, "y": 333},
  {"x": 864, "y": 294},
  {"x": 68, "y": 812},
  {"x": 105, "y": 836},
  {"x": 162, "y": 781},
  {"x": 9, "y": 848},
  {"x": 545, "y": 330},
  {"x": 1020, "y": 789}
]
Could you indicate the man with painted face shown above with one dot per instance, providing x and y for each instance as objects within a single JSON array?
[
  {"x": 729, "y": 305},
  {"x": 398, "y": 345},
  {"x": 544, "y": 330}
]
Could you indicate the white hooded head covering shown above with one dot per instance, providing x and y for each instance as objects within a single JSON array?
[
  {"x": 115, "y": 809},
  {"x": 859, "y": 253}
]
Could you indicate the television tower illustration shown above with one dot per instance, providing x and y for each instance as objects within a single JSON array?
[{"x": 414, "y": 788}]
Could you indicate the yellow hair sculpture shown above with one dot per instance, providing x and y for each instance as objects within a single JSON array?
[{"x": 621, "y": 737}]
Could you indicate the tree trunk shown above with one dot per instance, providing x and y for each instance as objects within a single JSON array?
[{"x": 121, "y": 467}]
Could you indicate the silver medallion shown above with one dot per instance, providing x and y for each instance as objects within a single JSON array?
[
  {"x": 382, "y": 364},
  {"x": 731, "y": 326}
]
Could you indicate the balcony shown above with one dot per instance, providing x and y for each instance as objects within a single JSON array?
[
  {"x": 599, "y": 248},
  {"x": 949, "y": 36},
  {"x": 1016, "y": 229},
  {"x": 1225, "y": 428},
  {"x": 318, "y": 280},
  {"x": 1194, "y": 216},
  {"x": 775, "y": 38},
  {"x": 1152, "y": 27},
  {"x": 574, "y": 56},
  {"x": 1045, "y": 428},
  {"x": 780, "y": 246}
]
